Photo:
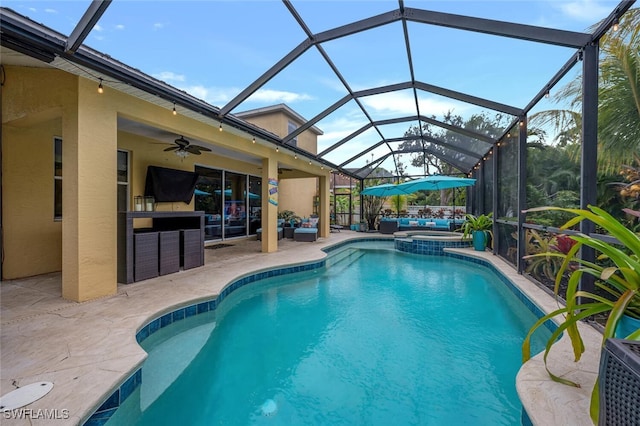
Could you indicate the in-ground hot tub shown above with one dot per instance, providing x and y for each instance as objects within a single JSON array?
[{"x": 429, "y": 242}]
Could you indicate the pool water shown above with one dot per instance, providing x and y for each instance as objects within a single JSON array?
[{"x": 378, "y": 337}]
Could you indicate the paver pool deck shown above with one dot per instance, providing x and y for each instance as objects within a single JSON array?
[{"x": 88, "y": 349}]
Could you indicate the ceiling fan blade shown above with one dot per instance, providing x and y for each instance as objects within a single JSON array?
[
  {"x": 192, "y": 149},
  {"x": 171, "y": 148},
  {"x": 201, "y": 148},
  {"x": 182, "y": 142}
]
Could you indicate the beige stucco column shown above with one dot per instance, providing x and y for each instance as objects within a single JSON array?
[
  {"x": 269, "y": 209},
  {"x": 325, "y": 205},
  {"x": 89, "y": 237}
]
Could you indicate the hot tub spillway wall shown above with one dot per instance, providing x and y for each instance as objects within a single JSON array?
[{"x": 429, "y": 242}]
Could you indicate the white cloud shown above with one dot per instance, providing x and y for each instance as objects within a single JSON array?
[
  {"x": 436, "y": 107},
  {"x": 278, "y": 96},
  {"x": 169, "y": 76},
  {"x": 158, "y": 26},
  {"x": 98, "y": 28},
  {"x": 333, "y": 84},
  {"x": 200, "y": 92},
  {"x": 403, "y": 103},
  {"x": 392, "y": 103},
  {"x": 219, "y": 96},
  {"x": 584, "y": 10},
  {"x": 119, "y": 27},
  {"x": 50, "y": 10}
]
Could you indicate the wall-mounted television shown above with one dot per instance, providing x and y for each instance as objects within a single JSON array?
[{"x": 170, "y": 185}]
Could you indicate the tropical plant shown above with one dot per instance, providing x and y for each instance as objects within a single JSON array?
[
  {"x": 288, "y": 215},
  {"x": 398, "y": 202},
  {"x": 483, "y": 222},
  {"x": 371, "y": 207},
  {"x": 540, "y": 267},
  {"x": 618, "y": 99},
  {"x": 618, "y": 282}
]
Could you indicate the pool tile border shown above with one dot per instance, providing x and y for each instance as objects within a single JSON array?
[
  {"x": 113, "y": 402},
  {"x": 433, "y": 247},
  {"x": 550, "y": 325}
]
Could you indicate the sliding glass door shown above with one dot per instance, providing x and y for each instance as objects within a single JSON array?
[
  {"x": 230, "y": 209},
  {"x": 208, "y": 196}
]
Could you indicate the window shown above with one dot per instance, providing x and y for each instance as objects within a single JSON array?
[
  {"x": 57, "y": 178},
  {"x": 291, "y": 127},
  {"x": 123, "y": 181}
]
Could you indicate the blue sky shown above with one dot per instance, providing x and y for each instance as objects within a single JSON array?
[{"x": 214, "y": 49}]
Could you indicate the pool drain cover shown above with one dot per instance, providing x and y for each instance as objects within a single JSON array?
[
  {"x": 269, "y": 408},
  {"x": 24, "y": 395}
]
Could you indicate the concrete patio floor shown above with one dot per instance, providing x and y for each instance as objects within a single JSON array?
[{"x": 88, "y": 349}]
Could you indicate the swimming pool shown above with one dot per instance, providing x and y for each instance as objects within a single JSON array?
[{"x": 370, "y": 339}]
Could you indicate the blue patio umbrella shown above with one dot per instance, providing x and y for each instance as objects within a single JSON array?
[
  {"x": 199, "y": 192},
  {"x": 384, "y": 190},
  {"x": 436, "y": 183}
]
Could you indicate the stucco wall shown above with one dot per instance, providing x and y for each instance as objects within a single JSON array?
[
  {"x": 38, "y": 104},
  {"x": 297, "y": 195},
  {"x": 277, "y": 122},
  {"x": 294, "y": 194},
  {"x": 31, "y": 116},
  {"x": 32, "y": 238}
]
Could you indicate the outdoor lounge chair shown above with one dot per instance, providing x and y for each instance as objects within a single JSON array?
[{"x": 308, "y": 231}]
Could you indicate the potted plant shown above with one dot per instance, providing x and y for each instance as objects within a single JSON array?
[
  {"x": 290, "y": 218},
  {"x": 617, "y": 281},
  {"x": 479, "y": 228}
]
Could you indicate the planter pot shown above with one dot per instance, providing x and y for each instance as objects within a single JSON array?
[
  {"x": 619, "y": 382},
  {"x": 479, "y": 240},
  {"x": 626, "y": 326}
]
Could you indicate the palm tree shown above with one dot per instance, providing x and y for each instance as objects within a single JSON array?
[{"x": 619, "y": 100}]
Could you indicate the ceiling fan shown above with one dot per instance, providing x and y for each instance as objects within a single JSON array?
[{"x": 183, "y": 148}]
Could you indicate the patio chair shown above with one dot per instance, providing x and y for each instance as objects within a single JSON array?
[{"x": 308, "y": 231}]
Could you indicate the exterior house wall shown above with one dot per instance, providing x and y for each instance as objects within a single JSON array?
[
  {"x": 295, "y": 194},
  {"x": 39, "y": 104},
  {"x": 32, "y": 106},
  {"x": 32, "y": 238}
]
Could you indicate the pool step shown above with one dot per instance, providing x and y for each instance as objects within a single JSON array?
[{"x": 341, "y": 260}]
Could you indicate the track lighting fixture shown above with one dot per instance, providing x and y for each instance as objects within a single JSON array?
[
  {"x": 253, "y": 140},
  {"x": 100, "y": 88},
  {"x": 174, "y": 109},
  {"x": 220, "y": 128}
]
